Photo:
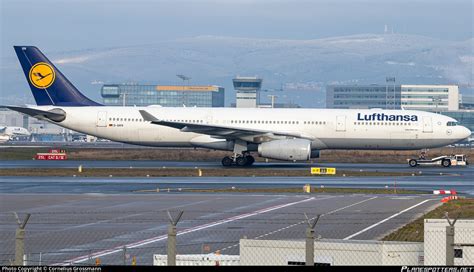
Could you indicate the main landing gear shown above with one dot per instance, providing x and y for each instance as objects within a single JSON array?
[
  {"x": 240, "y": 161},
  {"x": 241, "y": 157}
]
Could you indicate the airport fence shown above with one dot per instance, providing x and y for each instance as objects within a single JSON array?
[{"x": 228, "y": 238}]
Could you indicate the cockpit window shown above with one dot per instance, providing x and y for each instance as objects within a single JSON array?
[{"x": 452, "y": 124}]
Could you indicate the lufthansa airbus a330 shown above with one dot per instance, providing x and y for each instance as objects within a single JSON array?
[{"x": 283, "y": 134}]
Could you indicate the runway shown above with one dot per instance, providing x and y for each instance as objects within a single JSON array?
[
  {"x": 464, "y": 184},
  {"x": 77, "y": 228}
]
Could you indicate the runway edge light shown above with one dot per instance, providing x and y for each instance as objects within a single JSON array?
[{"x": 307, "y": 188}]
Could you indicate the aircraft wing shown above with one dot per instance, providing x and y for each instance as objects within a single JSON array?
[
  {"x": 223, "y": 131},
  {"x": 55, "y": 115}
]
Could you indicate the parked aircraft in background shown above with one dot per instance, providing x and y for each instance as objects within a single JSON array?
[{"x": 6, "y": 133}]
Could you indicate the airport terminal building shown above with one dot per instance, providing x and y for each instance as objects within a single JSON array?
[
  {"x": 164, "y": 95},
  {"x": 466, "y": 102},
  {"x": 444, "y": 99},
  {"x": 410, "y": 97},
  {"x": 362, "y": 96}
]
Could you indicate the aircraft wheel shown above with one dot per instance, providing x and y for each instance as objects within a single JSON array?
[
  {"x": 250, "y": 160},
  {"x": 241, "y": 161},
  {"x": 227, "y": 162}
]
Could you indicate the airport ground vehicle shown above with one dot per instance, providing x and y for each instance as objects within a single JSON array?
[{"x": 445, "y": 161}]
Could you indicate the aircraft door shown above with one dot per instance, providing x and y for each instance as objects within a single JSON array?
[
  {"x": 102, "y": 119},
  {"x": 341, "y": 123},
  {"x": 427, "y": 124},
  {"x": 209, "y": 119}
]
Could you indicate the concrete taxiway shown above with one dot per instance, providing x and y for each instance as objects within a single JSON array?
[
  {"x": 77, "y": 228},
  {"x": 463, "y": 184}
]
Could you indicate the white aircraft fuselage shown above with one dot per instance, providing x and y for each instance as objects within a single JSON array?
[{"x": 326, "y": 128}]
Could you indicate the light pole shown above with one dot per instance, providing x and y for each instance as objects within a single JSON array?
[
  {"x": 273, "y": 99},
  {"x": 387, "y": 80},
  {"x": 184, "y": 78}
]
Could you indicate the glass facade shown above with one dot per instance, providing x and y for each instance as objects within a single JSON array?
[
  {"x": 414, "y": 97},
  {"x": 166, "y": 96},
  {"x": 251, "y": 85},
  {"x": 425, "y": 98},
  {"x": 430, "y": 97},
  {"x": 363, "y": 97},
  {"x": 467, "y": 102}
]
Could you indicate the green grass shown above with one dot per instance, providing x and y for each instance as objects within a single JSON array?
[
  {"x": 414, "y": 231},
  {"x": 20, "y": 153},
  {"x": 314, "y": 190}
]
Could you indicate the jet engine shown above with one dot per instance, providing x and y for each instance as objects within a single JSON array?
[{"x": 288, "y": 150}]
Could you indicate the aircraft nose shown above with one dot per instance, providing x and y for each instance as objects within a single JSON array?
[{"x": 465, "y": 132}]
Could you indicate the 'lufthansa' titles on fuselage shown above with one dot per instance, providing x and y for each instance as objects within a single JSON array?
[{"x": 386, "y": 117}]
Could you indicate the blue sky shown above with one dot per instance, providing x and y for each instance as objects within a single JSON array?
[{"x": 70, "y": 25}]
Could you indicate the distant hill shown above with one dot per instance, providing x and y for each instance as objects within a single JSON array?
[{"x": 291, "y": 64}]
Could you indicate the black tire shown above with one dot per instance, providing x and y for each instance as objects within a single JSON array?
[
  {"x": 446, "y": 163},
  {"x": 227, "y": 162},
  {"x": 250, "y": 160},
  {"x": 413, "y": 163},
  {"x": 241, "y": 161}
]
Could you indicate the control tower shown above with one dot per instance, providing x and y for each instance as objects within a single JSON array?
[{"x": 247, "y": 89}]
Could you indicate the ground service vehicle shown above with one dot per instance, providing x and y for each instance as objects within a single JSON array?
[{"x": 445, "y": 161}]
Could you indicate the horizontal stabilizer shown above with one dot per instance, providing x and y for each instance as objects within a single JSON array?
[{"x": 57, "y": 115}]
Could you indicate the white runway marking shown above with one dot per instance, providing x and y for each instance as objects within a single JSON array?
[
  {"x": 164, "y": 237},
  {"x": 385, "y": 220},
  {"x": 303, "y": 221},
  {"x": 348, "y": 206}
]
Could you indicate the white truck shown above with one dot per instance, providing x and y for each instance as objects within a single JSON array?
[{"x": 445, "y": 161}]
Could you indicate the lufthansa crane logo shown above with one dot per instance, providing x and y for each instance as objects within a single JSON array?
[{"x": 42, "y": 75}]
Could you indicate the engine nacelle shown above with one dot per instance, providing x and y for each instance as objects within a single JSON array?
[{"x": 288, "y": 150}]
